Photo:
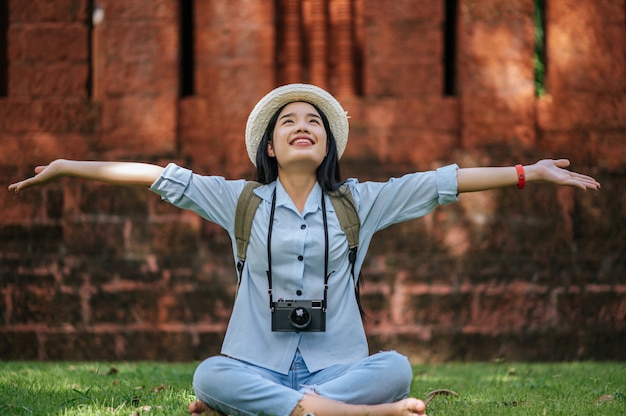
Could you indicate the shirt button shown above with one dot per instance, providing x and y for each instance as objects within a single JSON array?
[
  {"x": 303, "y": 226},
  {"x": 299, "y": 292},
  {"x": 300, "y": 258}
]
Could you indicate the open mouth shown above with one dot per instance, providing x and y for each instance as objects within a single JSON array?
[{"x": 301, "y": 140}]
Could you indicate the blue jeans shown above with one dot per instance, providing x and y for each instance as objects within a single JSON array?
[{"x": 239, "y": 388}]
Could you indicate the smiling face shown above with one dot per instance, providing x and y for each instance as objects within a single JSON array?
[{"x": 299, "y": 137}]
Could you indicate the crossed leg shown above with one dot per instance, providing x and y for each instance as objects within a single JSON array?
[
  {"x": 377, "y": 385},
  {"x": 320, "y": 406}
]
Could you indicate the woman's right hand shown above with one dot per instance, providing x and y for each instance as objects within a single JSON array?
[{"x": 43, "y": 175}]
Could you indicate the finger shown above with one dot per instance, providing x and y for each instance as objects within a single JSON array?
[
  {"x": 585, "y": 180},
  {"x": 562, "y": 163},
  {"x": 420, "y": 406},
  {"x": 15, "y": 187}
]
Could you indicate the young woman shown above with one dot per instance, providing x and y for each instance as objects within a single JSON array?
[{"x": 298, "y": 251}]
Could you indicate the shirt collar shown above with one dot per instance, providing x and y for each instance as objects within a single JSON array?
[{"x": 282, "y": 199}]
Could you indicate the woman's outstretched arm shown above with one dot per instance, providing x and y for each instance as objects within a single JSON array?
[
  {"x": 551, "y": 171},
  {"x": 117, "y": 173}
]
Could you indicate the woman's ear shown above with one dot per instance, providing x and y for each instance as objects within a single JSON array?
[{"x": 270, "y": 150}]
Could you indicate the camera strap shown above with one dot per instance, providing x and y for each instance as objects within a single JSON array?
[{"x": 269, "y": 251}]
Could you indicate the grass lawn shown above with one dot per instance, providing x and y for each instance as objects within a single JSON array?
[{"x": 146, "y": 388}]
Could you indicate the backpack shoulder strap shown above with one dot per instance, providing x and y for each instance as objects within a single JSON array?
[
  {"x": 247, "y": 205},
  {"x": 347, "y": 214},
  {"x": 342, "y": 200}
]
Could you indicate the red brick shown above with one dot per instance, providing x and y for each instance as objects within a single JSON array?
[
  {"x": 445, "y": 310},
  {"x": 19, "y": 115},
  {"x": 39, "y": 80},
  {"x": 36, "y": 11},
  {"x": 34, "y": 149},
  {"x": 48, "y": 43},
  {"x": 105, "y": 199},
  {"x": 585, "y": 47},
  {"x": 139, "y": 124},
  {"x": 511, "y": 312},
  {"x": 124, "y": 307},
  {"x": 140, "y": 42},
  {"x": 64, "y": 116},
  {"x": 602, "y": 308},
  {"x": 576, "y": 112},
  {"x": 140, "y": 10},
  {"x": 94, "y": 238},
  {"x": 142, "y": 77},
  {"x": 79, "y": 345},
  {"x": 21, "y": 345},
  {"x": 234, "y": 13}
]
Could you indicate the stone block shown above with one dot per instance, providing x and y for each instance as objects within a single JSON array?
[
  {"x": 576, "y": 113},
  {"x": 598, "y": 307},
  {"x": 18, "y": 115},
  {"x": 513, "y": 311},
  {"x": 107, "y": 200},
  {"x": 70, "y": 116},
  {"x": 145, "y": 125},
  {"x": 125, "y": 306},
  {"x": 449, "y": 310},
  {"x": 43, "y": 80},
  {"x": 140, "y": 10},
  {"x": 81, "y": 345},
  {"x": 39, "y": 304},
  {"x": 19, "y": 345},
  {"x": 40, "y": 11},
  {"x": 49, "y": 43},
  {"x": 157, "y": 345},
  {"x": 31, "y": 239},
  {"x": 585, "y": 48},
  {"x": 207, "y": 303},
  {"x": 87, "y": 238},
  {"x": 209, "y": 343}
]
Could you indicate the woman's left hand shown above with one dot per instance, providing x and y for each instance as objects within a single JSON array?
[{"x": 553, "y": 171}]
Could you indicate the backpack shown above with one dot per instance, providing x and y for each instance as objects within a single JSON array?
[{"x": 342, "y": 201}]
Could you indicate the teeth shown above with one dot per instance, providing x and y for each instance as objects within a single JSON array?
[{"x": 298, "y": 141}]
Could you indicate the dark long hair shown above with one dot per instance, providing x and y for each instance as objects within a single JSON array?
[{"x": 328, "y": 174}]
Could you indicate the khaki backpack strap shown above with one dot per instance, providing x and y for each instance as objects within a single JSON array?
[
  {"x": 347, "y": 214},
  {"x": 244, "y": 215}
]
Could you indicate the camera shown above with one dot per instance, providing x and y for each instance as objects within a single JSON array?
[{"x": 298, "y": 316}]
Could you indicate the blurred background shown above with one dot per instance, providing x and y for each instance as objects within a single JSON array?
[{"x": 89, "y": 271}]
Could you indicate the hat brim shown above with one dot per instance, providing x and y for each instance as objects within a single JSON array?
[{"x": 264, "y": 110}]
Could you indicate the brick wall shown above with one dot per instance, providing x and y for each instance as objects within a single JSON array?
[{"x": 91, "y": 271}]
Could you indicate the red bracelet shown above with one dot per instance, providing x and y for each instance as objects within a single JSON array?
[{"x": 521, "y": 177}]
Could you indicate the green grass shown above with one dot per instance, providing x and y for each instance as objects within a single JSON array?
[{"x": 144, "y": 388}]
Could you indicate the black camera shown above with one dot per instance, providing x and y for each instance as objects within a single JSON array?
[{"x": 298, "y": 316}]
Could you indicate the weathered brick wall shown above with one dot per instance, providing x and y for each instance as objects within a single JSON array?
[{"x": 91, "y": 271}]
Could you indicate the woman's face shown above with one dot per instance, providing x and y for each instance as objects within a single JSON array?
[{"x": 299, "y": 138}]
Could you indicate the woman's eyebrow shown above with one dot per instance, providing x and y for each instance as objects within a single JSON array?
[{"x": 293, "y": 114}]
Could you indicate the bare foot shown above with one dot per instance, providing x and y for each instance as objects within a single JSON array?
[
  {"x": 322, "y": 406},
  {"x": 198, "y": 408},
  {"x": 201, "y": 408},
  {"x": 412, "y": 406}
]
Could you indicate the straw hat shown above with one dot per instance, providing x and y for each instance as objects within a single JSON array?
[{"x": 264, "y": 110}]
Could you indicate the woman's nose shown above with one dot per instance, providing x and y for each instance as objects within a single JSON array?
[{"x": 301, "y": 126}]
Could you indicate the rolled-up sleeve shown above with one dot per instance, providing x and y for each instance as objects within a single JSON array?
[
  {"x": 212, "y": 197},
  {"x": 447, "y": 185},
  {"x": 172, "y": 183}
]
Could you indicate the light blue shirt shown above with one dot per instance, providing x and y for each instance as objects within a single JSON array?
[{"x": 298, "y": 257}]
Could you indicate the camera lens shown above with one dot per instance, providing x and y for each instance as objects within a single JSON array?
[{"x": 300, "y": 317}]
